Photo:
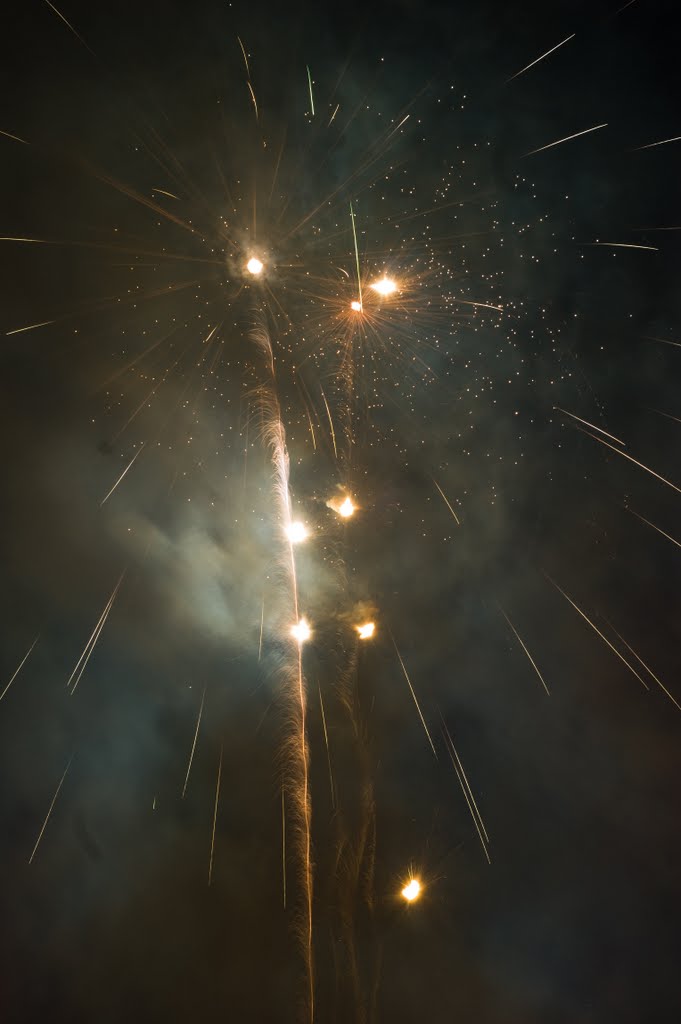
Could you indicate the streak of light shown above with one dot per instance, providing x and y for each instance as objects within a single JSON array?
[
  {"x": 328, "y": 748},
  {"x": 597, "y": 630},
  {"x": 412, "y": 890},
  {"x": 262, "y": 623},
  {"x": 254, "y": 266},
  {"x": 466, "y": 790},
  {"x": 366, "y": 630},
  {"x": 328, "y": 413},
  {"x": 47, "y": 816},
  {"x": 411, "y": 689},
  {"x": 397, "y": 127},
  {"x": 31, "y": 327},
  {"x": 20, "y": 666},
  {"x": 530, "y": 658},
  {"x": 301, "y": 631},
  {"x": 309, "y": 82},
  {"x": 649, "y": 337},
  {"x": 283, "y": 845},
  {"x": 482, "y": 305},
  {"x": 94, "y": 637},
  {"x": 17, "y": 138},
  {"x": 623, "y": 245},
  {"x": 531, "y": 65},
  {"x": 255, "y": 103},
  {"x": 129, "y": 466},
  {"x": 446, "y": 501},
  {"x": 162, "y": 192},
  {"x": 70, "y": 26},
  {"x": 662, "y": 142},
  {"x": 196, "y": 735},
  {"x": 215, "y": 818},
  {"x": 592, "y": 425},
  {"x": 386, "y": 286},
  {"x": 297, "y": 532},
  {"x": 566, "y": 139},
  {"x": 354, "y": 237},
  {"x": 644, "y": 520},
  {"x": 333, "y": 115},
  {"x": 647, "y": 668},
  {"x": 636, "y": 462},
  {"x": 667, "y": 415},
  {"x": 243, "y": 50}
]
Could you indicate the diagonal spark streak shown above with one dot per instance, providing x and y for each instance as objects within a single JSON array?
[
  {"x": 215, "y": 818},
  {"x": 94, "y": 637},
  {"x": 587, "y": 424},
  {"x": 566, "y": 139},
  {"x": 411, "y": 689},
  {"x": 8, "y": 135},
  {"x": 446, "y": 501},
  {"x": 129, "y": 466},
  {"x": 531, "y": 659},
  {"x": 20, "y": 666},
  {"x": 644, "y": 520},
  {"x": 636, "y": 462},
  {"x": 531, "y": 65},
  {"x": 47, "y": 817},
  {"x": 196, "y": 733}
]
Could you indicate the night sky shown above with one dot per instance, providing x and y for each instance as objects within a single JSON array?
[{"x": 491, "y": 420}]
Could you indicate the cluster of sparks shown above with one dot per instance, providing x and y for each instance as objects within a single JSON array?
[{"x": 357, "y": 314}]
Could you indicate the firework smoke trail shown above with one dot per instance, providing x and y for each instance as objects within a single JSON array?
[{"x": 274, "y": 436}]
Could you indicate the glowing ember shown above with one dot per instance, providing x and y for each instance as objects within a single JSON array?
[
  {"x": 346, "y": 509},
  {"x": 366, "y": 631},
  {"x": 412, "y": 890},
  {"x": 301, "y": 631},
  {"x": 356, "y": 306},
  {"x": 254, "y": 266},
  {"x": 297, "y": 532},
  {"x": 386, "y": 286}
]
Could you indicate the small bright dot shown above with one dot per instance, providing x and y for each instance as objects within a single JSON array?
[
  {"x": 254, "y": 266},
  {"x": 346, "y": 509},
  {"x": 356, "y": 306},
  {"x": 301, "y": 631},
  {"x": 366, "y": 631},
  {"x": 386, "y": 286},
  {"x": 297, "y": 532},
  {"x": 412, "y": 890}
]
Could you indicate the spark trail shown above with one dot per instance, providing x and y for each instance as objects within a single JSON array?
[
  {"x": 49, "y": 812},
  {"x": 19, "y": 666}
]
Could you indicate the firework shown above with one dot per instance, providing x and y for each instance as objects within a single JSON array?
[{"x": 412, "y": 890}]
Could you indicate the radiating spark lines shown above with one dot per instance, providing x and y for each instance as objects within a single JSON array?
[
  {"x": 411, "y": 690},
  {"x": 466, "y": 790},
  {"x": 81, "y": 664}
]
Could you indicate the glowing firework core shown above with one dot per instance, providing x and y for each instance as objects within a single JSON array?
[
  {"x": 386, "y": 286},
  {"x": 356, "y": 306},
  {"x": 366, "y": 631},
  {"x": 412, "y": 890},
  {"x": 254, "y": 266},
  {"x": 297, "y": 532},
  {"x": 346, "y": 509},
  {"x": 301, "y": 632}
]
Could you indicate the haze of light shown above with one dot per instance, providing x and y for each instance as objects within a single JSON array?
[
  {"x": 386, "y": 286},
  {"x": 297, "y": 532},
  {"x": 366, "y": 631},
  {"x": 254, "y": 266}
]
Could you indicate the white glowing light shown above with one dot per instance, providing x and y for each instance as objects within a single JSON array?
[
  {"x": 386, "y": 286},
  {"x": 356, "y": 306},
  {"x": 366, "y": 631},
  {"x": 254, "y": 266},
  {"x": 301, "y": 631},
  {"x": 346, "y": 509},
  {"x": 297, "y": 532},
  {"x": 412, "y": 890}
]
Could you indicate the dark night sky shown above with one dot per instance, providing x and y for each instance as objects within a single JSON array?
[{"x": 576, "y": 918}]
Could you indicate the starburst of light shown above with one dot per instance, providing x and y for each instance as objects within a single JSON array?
[
  {"x": 366, "y": 630},
  {"x": 356, "y": 306},
  {"x": 301, "y": 631},
  {"x": 386, "y": 286},
  {"x": 254, "y": 266},
  {"x": 346, "y": 509},
  {"x": 297, "y": 532},
  {"x": 412, "y": 890}
]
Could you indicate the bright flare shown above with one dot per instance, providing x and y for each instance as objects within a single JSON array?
[
  {"x": 346, "y": 509},
  {"x": 356, "y": 306},
  {"x": 297, "y": 532},
  {"x": 412, "y": 890},
  {"x": 254, "y": 266},
  {"x": 366, "y": 631},
  {"x": 301, "y": 632},
  {"x": 386, "y": 286}
]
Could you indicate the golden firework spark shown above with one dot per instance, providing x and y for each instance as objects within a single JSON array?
[
  {"x": 386, "y": 286},
  {"x": 301, "y": 631},
  {"x": 412, "y": 890},
  {"x": 346, "y": 509},
  {"x": 297, "y": 532},
  {"x": 254, "y": 266},
  {"x": 356, "y": 306},
  {"x": 366, "y": 631}
]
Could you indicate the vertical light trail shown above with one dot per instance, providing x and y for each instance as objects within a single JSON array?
[
  {"x": 196, "y": 733},
  {"x": 274, "y": 436},
  {"x": 215, "y": 818}
]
